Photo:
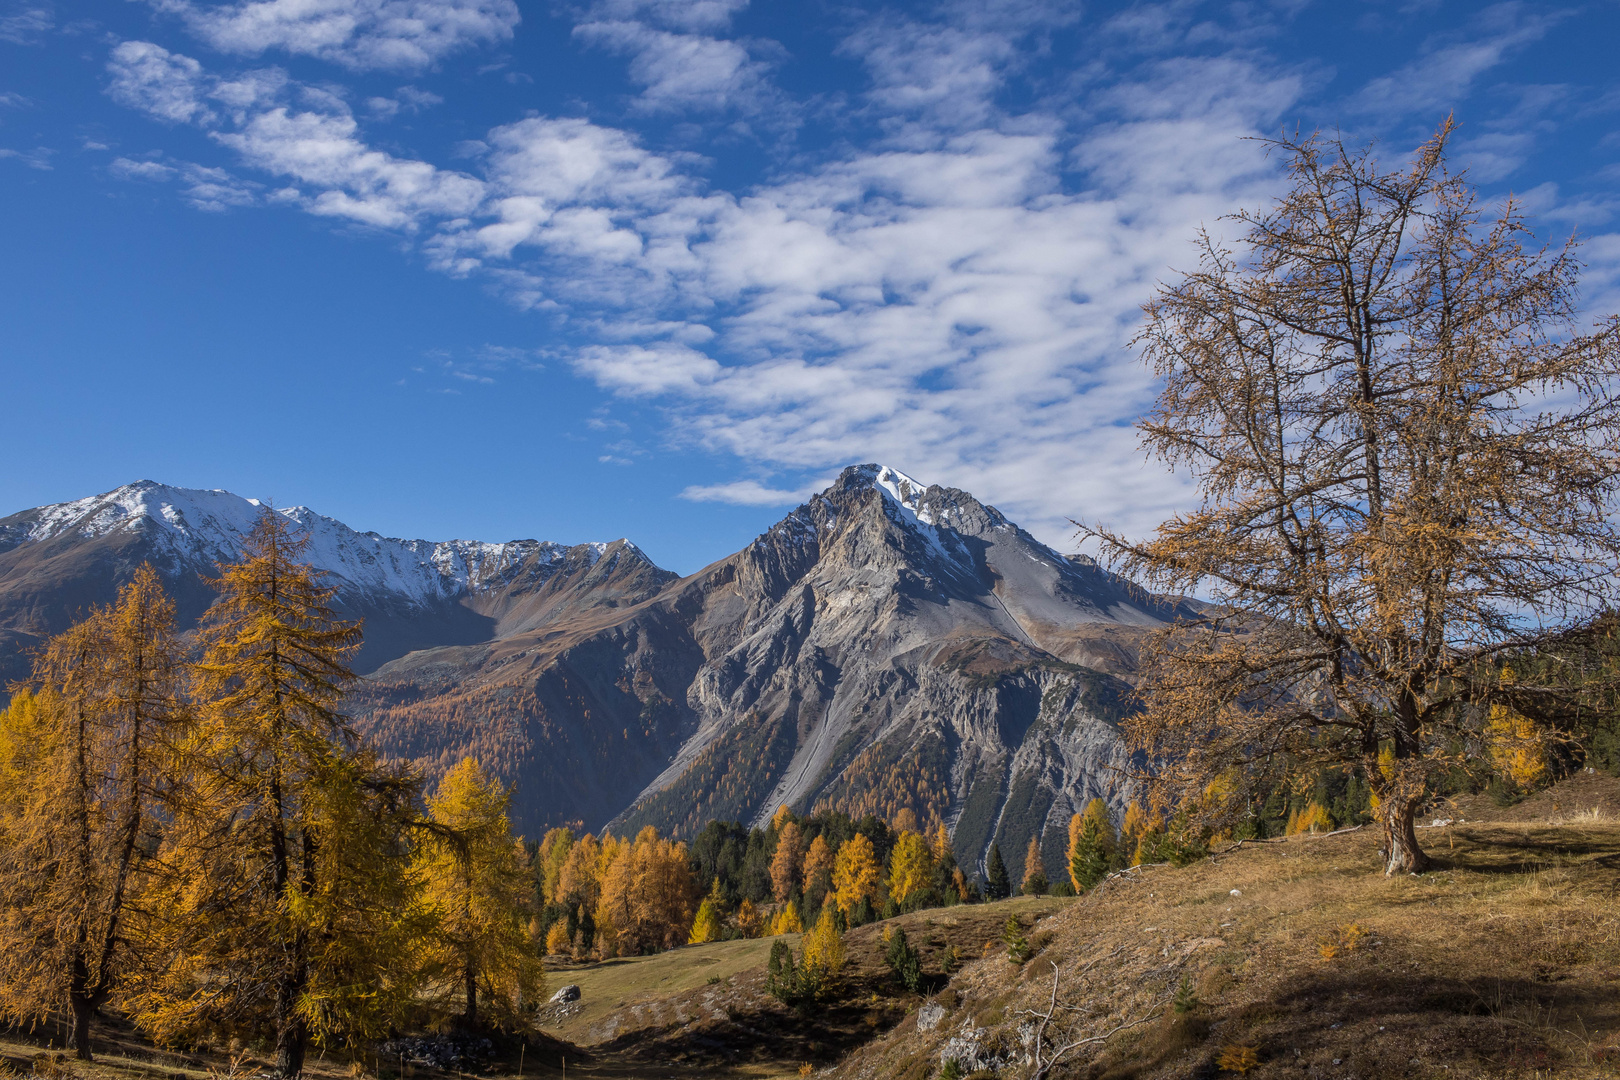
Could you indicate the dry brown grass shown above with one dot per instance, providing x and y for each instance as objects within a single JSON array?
[{"x": 1504, "y": 961}]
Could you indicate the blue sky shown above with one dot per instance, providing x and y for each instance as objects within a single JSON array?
[{"x": 648, "y": 268}]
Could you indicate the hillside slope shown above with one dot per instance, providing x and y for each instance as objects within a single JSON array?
[{"x": 1503, "y": 961}]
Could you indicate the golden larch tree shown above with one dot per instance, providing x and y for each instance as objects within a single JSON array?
[
  {"x": 553, "y": 853},
  {"x": 1034, "y": 883},
  {"x": 856, "y": 874},
  {"x": 786, "y": 921},
  {"x": 579, "y": 882},
  {"x": 911, "y": 867},
  {"x": 822, "y": 953},
  {"x": 87, "y": 748},
  {"x": 649, "y": 895},
  {"x": 1408, "y": 452},
  {"x": 287, "y": 902},
  {"x": 818, "y": 868},
  {"x": 786, "y": 861},
  {"x": 475, "y": 888}
]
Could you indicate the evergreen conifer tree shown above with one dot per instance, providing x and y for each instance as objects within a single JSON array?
[{"x": 998, "y": 886}]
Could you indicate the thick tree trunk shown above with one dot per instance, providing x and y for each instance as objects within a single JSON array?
[
  {"x": 292, "y": 1033},
  {"x": 82, "y": 1011},
  {"x": 291, "y": 1038},
  {"x": 1401, "y": 852}
]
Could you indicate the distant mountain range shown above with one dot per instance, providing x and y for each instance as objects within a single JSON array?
[{"x": 885, "y": 648}]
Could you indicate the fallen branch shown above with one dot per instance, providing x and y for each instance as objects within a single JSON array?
[{"x": 1044, "y": 1063}]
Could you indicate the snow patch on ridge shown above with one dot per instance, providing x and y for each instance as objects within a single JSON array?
[{"x": 206, "y": 527}]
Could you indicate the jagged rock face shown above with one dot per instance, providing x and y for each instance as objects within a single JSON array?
[
  {"x": 884, "y": 648},
  {"x": 887, "y": 647}
]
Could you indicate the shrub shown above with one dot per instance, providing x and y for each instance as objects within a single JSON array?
[
  {"x": 1238, "y": 1059},
  {"x": 1346, "y": 939}
]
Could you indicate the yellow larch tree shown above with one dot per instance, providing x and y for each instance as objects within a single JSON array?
[
  {"x": 579, "y": 882},
  {"x": 750, "y": 920},
  {"x": 85, "y": 752},
  {"x": 818, "y": 869},
  {"x": 554, "y": 849},
  {"x": 649, "y": 895},
  {"x": 477, "y": 960},
  {"x": 710, "y": 922},
  {"x": 1034, "y": 883},
  {"x": 911, "y": 867},
  {"x": 786, "y": 921},
  {"x": 786, "y": 862},
  {"x": 1135, "y": 823},
  {"x": 822, "y": 953},
  {"x": 856, "y": 874},
  {"x": 287, "y": 903}
]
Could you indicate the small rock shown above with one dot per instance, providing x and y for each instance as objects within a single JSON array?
[
  {"x": 929, "y": 1016},
  {"x": 1237, "y": 892},
  {"x": 1335, "y": 1061},
  {"x": 565, "y": 995}
]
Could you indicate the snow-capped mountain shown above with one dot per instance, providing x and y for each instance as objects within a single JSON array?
[
  {"x": 56, "y": 560},
  {"x": 199, "y": 529}
]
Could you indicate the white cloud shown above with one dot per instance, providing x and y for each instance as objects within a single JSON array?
[
  {"x": 951, "y": 73},
  {"x": 204, "y": 187},
  {"x": 684, "y": 72},
  {"x": 954, "y": 299},
  {"x": 14, "y": 101},
  {"x": 25, "y": 25},
  {"x": 37, "y": 158},
  {"x": 128, "y": 169},
  {"x": 164, "y": 84},
  {"x": 749, "y": 493},
  {"x": 646, "y": 371},
  {"x": 215, "y": 189},
  {"x": 350, "y": 179},
  {"x": 689, "y": 15},
  {"x": 359, "y": 34}
]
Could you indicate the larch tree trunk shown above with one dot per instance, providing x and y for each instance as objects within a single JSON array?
[{"x": 1402, "y": 855}]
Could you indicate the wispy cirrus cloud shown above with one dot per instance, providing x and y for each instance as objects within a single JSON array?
[
  {"x": 1449, "y": 64},
  {"x": 294, "y": 132},
  {"x": 684, "y": 72},
  {"x": 26, "y": 23},
  {"x": 205, "y": 187},
  {"x": 38, "y": 157}
]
